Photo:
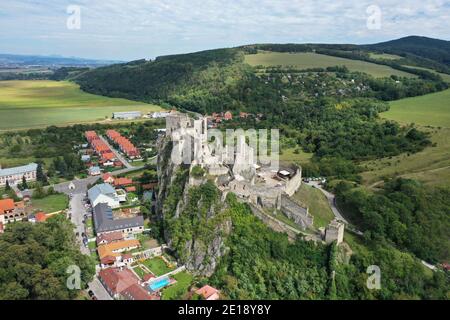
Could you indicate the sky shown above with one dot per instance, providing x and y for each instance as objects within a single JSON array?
[{"x": 136, "y": 29}]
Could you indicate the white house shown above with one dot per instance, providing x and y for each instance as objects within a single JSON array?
[
  {"x": 103, "y": 193},
  {"x": 15, "y": 175}
]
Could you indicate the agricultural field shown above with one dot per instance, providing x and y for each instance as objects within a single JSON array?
[
  {"x": 444, "y": 76},
  {"x": 384, "y": 56},
  {"x": 313, "y": 60},
  {"x": 317, "y": 203},
  {"x": 40, "y": 103},
  {"x": 428, "y": 110}
]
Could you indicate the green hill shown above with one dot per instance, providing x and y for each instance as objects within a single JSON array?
[{"x": 431, "y": 109}]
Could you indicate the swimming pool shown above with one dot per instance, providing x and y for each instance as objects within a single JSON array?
[{"x": 158, "y": 284}]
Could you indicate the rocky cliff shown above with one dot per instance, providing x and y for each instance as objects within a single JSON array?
[{"x": 195, "y": 221}]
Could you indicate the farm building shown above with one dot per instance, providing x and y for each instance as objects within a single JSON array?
[{"x": 127, "y": 115}]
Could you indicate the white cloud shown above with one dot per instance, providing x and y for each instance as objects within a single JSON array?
[{"x": 146, "y": 28}]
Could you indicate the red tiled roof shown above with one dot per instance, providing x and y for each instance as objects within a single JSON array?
[
  {"x": 118, "y": 280},
  {"x": 137, "y": 292},
  {"x": 131, "y": 189},
  {"x": 110, "y": 237},
  {"x": 149, "y": 186},
  {"x": 108, "y": 260},
  {"x": 122, "y": 182},
  {"x": 107, "y": 177},
  {"x": 41, "y": 217},
  {"x": 6, "y": 205},
  {"x": 207, "y": 291}
]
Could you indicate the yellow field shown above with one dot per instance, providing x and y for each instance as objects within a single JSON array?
[
  {"x": 31, "y": 104},
  {"x": 313, "y": 60}
]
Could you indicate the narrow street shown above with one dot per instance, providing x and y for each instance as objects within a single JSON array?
[
  {"x": 78, "y": 210},
  {"x": 117, "y": 154}
]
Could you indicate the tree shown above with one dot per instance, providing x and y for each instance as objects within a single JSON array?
[
  {"x": 24, "y": 183},
  {"x": 40, "y": 175},
  {"x": 7, "y": 186}
]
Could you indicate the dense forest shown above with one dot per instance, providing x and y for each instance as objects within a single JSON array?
[
  {"x": 263, "y": 264},
  {"x": 404, "y": 213},
  {"x": 34, "y": 260}
]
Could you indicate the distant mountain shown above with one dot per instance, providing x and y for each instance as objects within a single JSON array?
[
  {"x": 428, "y": 48},
  {"x": 13, "y": 60}
]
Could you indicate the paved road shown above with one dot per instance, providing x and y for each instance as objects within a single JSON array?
[
  {"x": 331, "y": 200},
  {"x": 78, "y": 211},
  {"x": 118, "y": 155},
  {"x": 99, "y": 290}
]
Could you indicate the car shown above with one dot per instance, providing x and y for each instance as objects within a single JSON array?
[{"x": 91, "y": 293}]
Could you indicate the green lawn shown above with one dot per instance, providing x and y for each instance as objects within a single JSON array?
[
  {"x": 157, "y": 266},
  {"x": 178, "y": 290},
  {"x": 51, "y": 203},
  {"x": 43, "y": 103},
  {"x": 313, "y": 60},
  {"x": 139, "y": 272},
  {"x": 317, "y": 203},
  {"x": 428, "y": 110}
]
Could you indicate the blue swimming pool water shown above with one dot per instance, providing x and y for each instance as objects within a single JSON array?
[{"x": 161, "y": 283}]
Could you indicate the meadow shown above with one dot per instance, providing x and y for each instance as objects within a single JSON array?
[
  {"x": 317, "y": 203},
  {"x": 430, "y": 166},
  {"x": 40, "y": 103},
  {"x": 313, "y": 60},
  {"x": 428, "y": 110}
]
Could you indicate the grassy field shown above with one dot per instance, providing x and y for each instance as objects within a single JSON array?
[
  {"x": 289, "y": 155},
  {"x": 445, "y": 77},
  {"x": 28, "y": 104},
  {"x": 431, "y": 166},
  {"x": 428, "y": 110},
  {"x": 51, "y": 203},
  {"x": 317, "y": 203},
  {"x": 384, "y": 56},
  {"x": 176, "y": 291},
  {"x": 313, "y": 60},
  {"x": 157, "y": 266}
]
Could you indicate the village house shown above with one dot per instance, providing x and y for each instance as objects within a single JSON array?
[
  {"x": 15, "y": 175},
  {"x": 122, "y": 182},
  {"x": 94, "y": 171},
  {"x": 103, "y": 193},
  {"x": 123, "y": 284},
  {"x": 108, "y": 178},
  {"x": 208, "y": 293},
  {"x": 113, "y": 250},
  {"x": 107, "y": 221},
  {"x": 11, "y": 211},
  {"x": 107, "y": 238}
]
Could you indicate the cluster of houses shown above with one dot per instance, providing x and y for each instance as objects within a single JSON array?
[
  {"x": 107, "y": 158},
  {"x": 125, "y": 145},
  {"x": 216, "y": 118}
]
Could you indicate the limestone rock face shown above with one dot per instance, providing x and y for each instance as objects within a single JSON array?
[{"x": 195, "y": 219}]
